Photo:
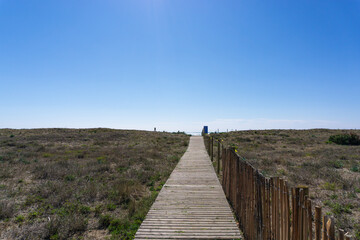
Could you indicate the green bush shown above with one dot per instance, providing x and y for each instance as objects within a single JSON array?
[
  {"x": 329, "y": 186},
  {"x": 33, "y": 215},
  {"x": 338, "y": 208},
  {"x": 355, "y": 169},
  {"x": 357, "y": 231},
  {"x": 105, "y": 221},
  {"x": 123, "y": 229},
  {"x": 337, "y": 164},
  {"x": 19, "y": 219},
  {"x": 110, "y": 206},
  {"x": 345, "y": 139},
  {"x": 84, "y": 209},
  {"x": 69, "y": 178}
]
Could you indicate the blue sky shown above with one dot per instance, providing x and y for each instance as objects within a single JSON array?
[{"x": 180, "y": 64}]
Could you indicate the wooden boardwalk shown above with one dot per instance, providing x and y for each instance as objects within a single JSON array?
[{"x": 192, "y": 204}]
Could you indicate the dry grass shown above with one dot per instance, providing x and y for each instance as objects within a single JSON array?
[
  {"x": 305, "y": 157},
  {"x": 73, "y": 184}
]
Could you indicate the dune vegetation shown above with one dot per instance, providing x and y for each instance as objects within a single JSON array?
[
  {"x": 328, "y": 161},
  {"x": 81, "y": 183}
]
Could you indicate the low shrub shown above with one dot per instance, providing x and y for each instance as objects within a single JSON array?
[
  {"x": 104, "y": 221},
  {"x": 338, "y": 208},
  {"x": 337, "y": 164},
  {"x": 355, "y": 169},
  {"x": 19, "y": 219},
  {"x": 345, "y": 139},
  {"x": 6, "y": 210},
  {"x": 110, "y": 206},
  {"x": 357, "y": 231},
  {"x": 69, "y": 178},
  {"x": 64, "y": 226},
  {"x": 329, "y": 186}
]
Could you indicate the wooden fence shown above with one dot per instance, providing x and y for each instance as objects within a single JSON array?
[{"x": 267, "y": 208}]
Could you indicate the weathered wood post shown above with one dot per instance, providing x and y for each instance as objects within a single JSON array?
[
  {"x": 212, "y": 149},
  {"x": 309, "y": 219},
  {"x": 341, "y": 234},
  {"x": 263, "y": 205},
  {"x": 330, "y": 229},
  {"x": 208, "y": 144},
  {"x": 218, "y": 165},
  {"x": 324, "y": 232},
  {"x": 347, "y": 237},
  {"x": 317, "y": 223}
]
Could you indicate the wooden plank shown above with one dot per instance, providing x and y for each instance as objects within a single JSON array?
[{"x": 192, "y": 203}]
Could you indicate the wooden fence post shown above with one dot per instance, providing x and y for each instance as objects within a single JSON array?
[
  {"x": 301, "y": 214},
  {"x": 233, "y": 180},
  {"x": 282, "y": 210},
  {"x": 324, "y": 232},
  {"x": 242, "y": 195},
  {"x": 341, "y": 234},
  {"x": 246, "y": 200},
  {"x": 218, "y": 165},
  {"x": 277, "y": 208},
  {"x": 267, "y": 210},
  {"x": 293, "y": 213},
  {"x": 273, "y": 220},
  {"x": 317, "y": 223},
  {"x": 309, "y": 219},
  {"x": 223, "y": 159},
  {"x": 330, "y": 229},
  {"x": 287, "y": 209},
  {"x": 208, "y": 143},
  {"x": 228, "y": 175},
  {"x": 253, "y": 199},
  {"x": 262, "y": 205},
  {"x": 237, "y": 185},
  {"x": 212, "y": 148},
  {"x": 347, "y": 237}
]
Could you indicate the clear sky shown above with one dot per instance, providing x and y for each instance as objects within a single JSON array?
[{"x": 180, "y": 64}]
